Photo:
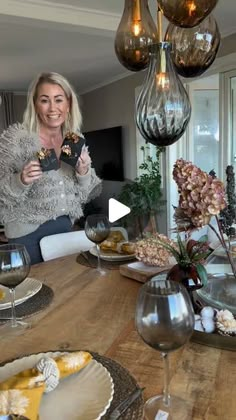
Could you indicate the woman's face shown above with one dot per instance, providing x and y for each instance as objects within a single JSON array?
[{"x": 51, "y": 105}]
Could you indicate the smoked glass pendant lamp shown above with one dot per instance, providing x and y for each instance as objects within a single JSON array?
[
  {"x": 186, "y": 13},
  {"x": 135, "y": 33},
  {"x": 163, "y": 108},
  {"x": 194, "y": 49}
]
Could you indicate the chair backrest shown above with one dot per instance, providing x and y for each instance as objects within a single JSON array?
[{"x": 61, "y": 244}]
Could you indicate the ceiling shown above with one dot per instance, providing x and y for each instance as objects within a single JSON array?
[{"x": 72, "y": 37}]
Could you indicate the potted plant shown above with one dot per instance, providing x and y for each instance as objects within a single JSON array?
[{"x": 143, "y": 195}]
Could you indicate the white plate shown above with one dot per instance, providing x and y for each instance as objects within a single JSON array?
[
  {"x": 85, "y": 395},
  {"x": 28, "y": 288},
  {"x": 112, "y": 256}
]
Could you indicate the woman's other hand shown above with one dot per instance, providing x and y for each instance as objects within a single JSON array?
[
  {"x": 84, "y": 162},
  {"x": 31, "y": 172}
]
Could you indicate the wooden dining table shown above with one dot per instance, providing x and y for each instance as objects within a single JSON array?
[{"x": 95, "y": 312}]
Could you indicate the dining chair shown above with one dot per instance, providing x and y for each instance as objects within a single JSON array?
[{"x": 61, "y": 244}]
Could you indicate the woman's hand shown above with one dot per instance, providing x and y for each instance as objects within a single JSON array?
[
  {"x": 84, "y": 162},
  {"x": 31, "y": 172}
]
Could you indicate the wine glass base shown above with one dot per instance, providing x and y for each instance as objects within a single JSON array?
[
  {"x": 177, "y": 409},
  {"x": 102, "y": 271},
  {"x": 8, "y": 329}
]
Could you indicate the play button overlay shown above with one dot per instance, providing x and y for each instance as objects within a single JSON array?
[{"x": 116, "y": 210}]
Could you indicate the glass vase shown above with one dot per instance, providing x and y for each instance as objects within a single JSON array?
[
  {"x": 163, "y": 108},
  {"x": 220, "y": 291},
  {"x": 194, "y": 49},
  {"x": 135, "y": 33}
]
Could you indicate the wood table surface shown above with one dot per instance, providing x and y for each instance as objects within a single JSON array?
[{"x": 97, "y": 313}]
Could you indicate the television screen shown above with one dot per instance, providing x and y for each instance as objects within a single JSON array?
[{"x": 105, "y": 147}]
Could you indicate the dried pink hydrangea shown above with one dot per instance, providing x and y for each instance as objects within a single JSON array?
[
  {"x": 200, "y": 195},
  {"x": 151, "y": 252}
]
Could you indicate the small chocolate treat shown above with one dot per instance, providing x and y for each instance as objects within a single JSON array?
[
  {"x": 48, "y": 159},
  {"x": 71, "y": 148}
]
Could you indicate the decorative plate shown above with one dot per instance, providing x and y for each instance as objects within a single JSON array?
[
  {"x": 111, "y": 256},
  {"x": 83, "y": 396},
  {"x": 28, "y": 288}
]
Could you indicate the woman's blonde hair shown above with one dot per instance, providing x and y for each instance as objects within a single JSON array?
[{"x": 30, "y": 118}]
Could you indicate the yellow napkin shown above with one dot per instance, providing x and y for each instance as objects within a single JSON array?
[{"x": 22, "y": 393}]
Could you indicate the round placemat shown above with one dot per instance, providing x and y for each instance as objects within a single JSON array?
[
  {"x": 32, "y": 305},
  {"x": 124, "y": 384},
  {"x": 90, "y": 260}
]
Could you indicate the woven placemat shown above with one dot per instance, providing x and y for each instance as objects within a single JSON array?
[
  {"x": 124, "y": 384},
  {"x": 32, "y": 305},
  {"x": 90, "y": 260}
]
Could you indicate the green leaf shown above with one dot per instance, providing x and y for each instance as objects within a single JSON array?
[
  {"x": 182, "y": 248},
  {"x": 202, "y": 273}
]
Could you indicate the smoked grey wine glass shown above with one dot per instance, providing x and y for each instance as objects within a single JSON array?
[
  {"x": 14, "y": 268},
  {"x": 165, "y": 321},
  {"x": 97, "y": 228}
]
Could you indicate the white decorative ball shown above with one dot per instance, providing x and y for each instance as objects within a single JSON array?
[
  {"x": 208, "y": 325},
  {"x": 207, "y": 312}
]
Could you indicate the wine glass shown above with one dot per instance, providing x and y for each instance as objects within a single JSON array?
[
  {"x": 97, "y": 228},
  {"x": 14, "y": 268},
  {"x": 165, "y": 321}
]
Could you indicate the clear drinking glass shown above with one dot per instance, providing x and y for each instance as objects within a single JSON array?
[
  {"x": 97, "y": 228},
  {"x": 14, "y": 268},
  {"x": 165, "y": 321}
]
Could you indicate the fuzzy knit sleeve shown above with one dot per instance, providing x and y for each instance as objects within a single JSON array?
[
  {"x": 12, "y": 159},
  {"x": 89, "y": 186}
]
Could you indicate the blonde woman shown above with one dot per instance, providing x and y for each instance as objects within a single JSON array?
[{"x": 33, "y": 203}]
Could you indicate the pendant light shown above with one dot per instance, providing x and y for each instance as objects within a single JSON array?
[
  {"x": 163, "y": 109},
  {"x": 186, "y": 13},
  {"x": 135, "y": 33},
  {"x": 194, "y": 49}
]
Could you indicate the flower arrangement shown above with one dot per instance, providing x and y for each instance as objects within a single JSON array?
[
  {"x": 190, "y": 256},
  {"x": 154, "y": 250},
  {"x": 201, "y": 196}
]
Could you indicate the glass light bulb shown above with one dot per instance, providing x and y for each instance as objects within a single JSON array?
[
  {"x": 191, "y": 6},
  {"x": 163, "y": 109},
  {"x": 135, "y": 33},
  {"x": 194, "y": 49},
  {"x": 163, "y": 81},
  {"x": 186, "y": 13},
  {"x": 137, "y": 27}
]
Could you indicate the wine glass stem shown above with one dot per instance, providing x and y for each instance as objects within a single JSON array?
[
  {"x": 13, "y": 309},
  {"x": 99, "y": 260},
  {"x": 166, "y": 395}
]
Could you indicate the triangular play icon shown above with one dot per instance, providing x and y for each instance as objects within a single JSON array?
[{"x": 116, "y": 210}]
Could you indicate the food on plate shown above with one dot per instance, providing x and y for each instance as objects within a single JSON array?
[
  {"x": 116, "y": 242},
  {"x": 2, "y": 294},
  {"x": 127, "y": 248}
]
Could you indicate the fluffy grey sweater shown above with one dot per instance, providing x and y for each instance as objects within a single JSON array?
[{"x": 24, "y": 207}]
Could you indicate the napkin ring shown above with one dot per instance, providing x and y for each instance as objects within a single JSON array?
[{"x": 51, "y": 374}]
